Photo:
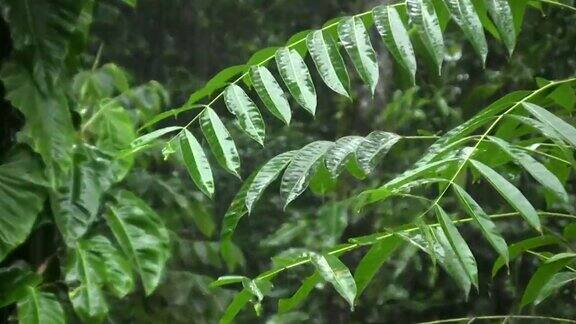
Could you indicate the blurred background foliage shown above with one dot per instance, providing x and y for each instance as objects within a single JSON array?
[{"x": 170, "y": 48}]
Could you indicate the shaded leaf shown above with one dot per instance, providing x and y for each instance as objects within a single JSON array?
[
  {"x": 14, "y": 283},
  {"x": 39, "y": 308},
  {"x": 289, "y": 304},
  {"x": 516, "y": 249},
  {"x": 373, "y": 261},
  {"x": 543, "y": 275},
  {"x": 558, "y": 281}
]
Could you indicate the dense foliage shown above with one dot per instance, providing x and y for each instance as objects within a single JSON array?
[{"x": 110, "y": 200}]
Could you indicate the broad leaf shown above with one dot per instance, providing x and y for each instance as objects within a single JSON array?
[
  {"x": 488, "y": 228},
  {"x": 14, "y": 283},
  {"x": 297, "y": 78},
  {"x": 289, "y": 304},
  {"x": 300, "y": 170},
  {"x": 535, "y": 168},
  {"x": 266, "y": 175},
  {"x": 461, "y": 249},
  {"x": 40, "y": 308},
  {"x": 465, "y": 16},
  {"x": 220, "y": 141},
  {"x": 567, "y": 131},
  {"x": 141, "y": 235},
  {"x": 196, "y": 163},
  {"x": 543, "y": 275},
  {"x": 501, "y": 14},
  {"x": 22, "y": 197},
  {"x": 240, "y": 300},
  {"x": 336, "y": 273},
  {"x": 516, "y": 249},
  {"x": 423, "y": 15},
  {"x": 355, "y": 39},
  {"x": 395, "y": 36},
  {"x": 373, "y": 260},
  {"x": 337, "y": 157},
  {"x": 328, "y": 61},
  {"x": 246, "y": 112},
  {"x": 270, "y": 93},
  {"x": 373, "y": 148},
  {"x": 510, "y": 193}
]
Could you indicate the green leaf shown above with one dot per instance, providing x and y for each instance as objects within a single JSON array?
[
  {"x": 465, "y": 16},
  {"x": 84, "y": 277},
  {"x": 40, "y": 308},
  {"x": 373, "y": 148},
  {"x": 336, "y": 273},
  {"x": 141, "y": 235},
  {"x": 355, "y": 39},
  {"x": 227, "y": 280},
  {"x": 423, "y": 15},
  {"x": 567, "y": 131},
  {"x": 516, "y": 249},
  {"x": 300, "y": 170},
  {"x": 246, "y": 112},
  {"x": 288, "y": 304},
  {"x": 48, "y": 129},
  {"x": 395, "y": 36},
  {"x": 238, "y": 303},
  {"x": 543, "y": 275},
  {"x": 510, "y": 193},
  {"x": 535, "y": 168},
  {"x": 22, "y": 197},
  {"x": 169, "y": 113},
  {"x": 148, "y": 138},
  {"x": 220, "y": 80},
  {"x": 501, "y": 14},
  {"x": 270, "y": 93},
  {"x": 196, "y": 163},
  {"x": 14, "y": 283},
  {"x": 565, "y": 96},
  {"x": 297, "y": 42},
  {"x": 337, "y": 157},
  {"x": 373, "y": 261},
  {"x": 297, "y": 78},
  {"x": 266, "y": 175},
  {"x": 329, "y": 62},
  {"x": 488, "y": 228},
  {"x": 237, "y": 210},
  {"x": 220, "y": 141},
  {"x": 557, "y": 281},
  {"x": 461, "y": 249}
]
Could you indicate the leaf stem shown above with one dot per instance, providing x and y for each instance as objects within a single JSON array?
[{"x": 495, "y": 317}]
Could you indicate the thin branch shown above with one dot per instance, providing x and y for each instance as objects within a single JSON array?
[{"x": 503, "y": 317}]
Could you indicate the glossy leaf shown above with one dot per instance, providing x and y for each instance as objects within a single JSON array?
[
  {"x": 461, "y": 249},
  {"x": 300, "y": 170},
  {"x": 395, "y": 36},
  {"x": 354, "y": 37},
  {"x": 516, "y": 249},
  {"x": 544, "y": 274},
  {"x": 510, "y": 193},
  {"x": 149, "y": 137},
  {"x": 289, "y": 304},
  {"x": 501, "y": 14},
  {"x": 373, "y": 261},
  {"x": 465, "y": 16},
  {"x": 343, "y": 149},
  {"x": 246, "y": 112},
  {"x": 374, "y": 146},
  {"x": 39, "y": 308},
  {"x": 141, "y": 235},
  {"x": 196, "y": 163},
  {"x": 22, "y": 197},
  {"x": 220, "y": 141},
  {"x": 270, "y": 93},
  {"x": 14, "y": 283},
  {"x": 488, "y": 228},
  {"x": 266, "y": 175},
  {"x": 336, "y": 273},
  {"x": 328, "y": 61},
  {"x": 423, "y": 15},
  {"x": 297, "y": 78},
  {"x": 538, "y": 171},
  {"x": 567, "y": 131}
]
